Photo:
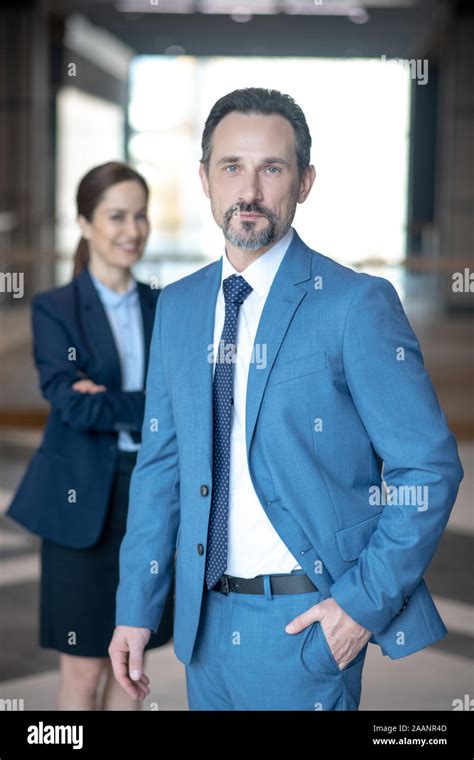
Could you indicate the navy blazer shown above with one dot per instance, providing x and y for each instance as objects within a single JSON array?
[{"x": 65, "y": 490}]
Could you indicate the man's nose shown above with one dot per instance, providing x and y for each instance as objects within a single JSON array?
[{"x": 250, "y": 191}]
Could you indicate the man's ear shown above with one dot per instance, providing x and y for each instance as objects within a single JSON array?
[
  {"x": 84, "y": 225},
  {"x": 204, "y": 179},
  {"x": 306, "y": 183}
]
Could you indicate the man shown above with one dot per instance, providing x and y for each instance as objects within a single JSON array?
[{"x": 279, "y": 385}]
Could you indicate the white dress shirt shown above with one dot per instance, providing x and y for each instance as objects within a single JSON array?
[
  {"x": 254, "y": 546},
  {"x": 125, "y": 318}
]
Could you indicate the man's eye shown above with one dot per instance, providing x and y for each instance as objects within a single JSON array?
[
  {"x": 230, "y": 168},
  {"x": 273, "y": 169},
  {"x": 116, "y": 216}
]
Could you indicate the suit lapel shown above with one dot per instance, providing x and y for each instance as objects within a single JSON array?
[
  {"x": 97, "y": 333},
  {"x": 282, "y": 301},
  {"x": 148, "y": 307},
  {"x": 200, "y": 335}
]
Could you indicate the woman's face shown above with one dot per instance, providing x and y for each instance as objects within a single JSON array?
[{"x": 119, "y": 227}]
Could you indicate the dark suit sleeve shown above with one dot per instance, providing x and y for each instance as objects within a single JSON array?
[
  {"x": 397, "y": 404},
  {"x": 53, "y": 349}
]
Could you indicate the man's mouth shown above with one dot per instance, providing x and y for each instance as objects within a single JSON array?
[{"x": 249, "y": 215}]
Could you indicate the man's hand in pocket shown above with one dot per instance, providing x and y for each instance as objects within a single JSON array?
[{"x": 345, "y": 637}]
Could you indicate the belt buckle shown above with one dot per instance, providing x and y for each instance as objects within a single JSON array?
[{"x": 224, "y": 581}]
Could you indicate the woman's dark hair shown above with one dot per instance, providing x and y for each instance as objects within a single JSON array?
[
  {"x": 89, "y": 194},
  {"x": 263, "y": 102}
]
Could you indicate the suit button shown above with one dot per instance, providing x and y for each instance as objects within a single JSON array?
[
  {"x": 204, "y": 490},
  {"x": 200, "y": 549}
]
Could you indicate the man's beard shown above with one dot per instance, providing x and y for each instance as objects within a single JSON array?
[{"x": 247, "y": 238}]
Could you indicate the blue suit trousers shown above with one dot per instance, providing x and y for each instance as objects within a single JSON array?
[{"x": 244, "y": 659}]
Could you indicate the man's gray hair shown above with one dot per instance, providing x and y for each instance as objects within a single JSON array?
[{"x": 262, "y": 102}]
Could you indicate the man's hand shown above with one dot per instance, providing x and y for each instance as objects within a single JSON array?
[
  {"x": 87, "y": 386},
  {"x": 126, "y": 654},
  {"x": 345, "y": 637}
]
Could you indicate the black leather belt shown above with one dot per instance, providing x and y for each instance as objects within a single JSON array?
[{"x": 280, "y": 584}]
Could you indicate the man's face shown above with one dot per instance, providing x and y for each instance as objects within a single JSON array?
[{"x": 253, "y": 181}]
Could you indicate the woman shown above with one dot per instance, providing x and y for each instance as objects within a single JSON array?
[{"x": 91, "y": 345}]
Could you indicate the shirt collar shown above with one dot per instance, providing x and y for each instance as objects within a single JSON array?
[
  {"x": 109, "y": 296},
  {"x": 261, "y": 272}
]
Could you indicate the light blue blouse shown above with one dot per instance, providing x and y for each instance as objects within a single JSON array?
[{"x": 125, "y": 318}]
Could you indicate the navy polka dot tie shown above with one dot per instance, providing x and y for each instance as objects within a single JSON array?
[{"x": 236, "y": 290}]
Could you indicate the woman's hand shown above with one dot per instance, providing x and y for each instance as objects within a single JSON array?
[{"x": 88, "y": 386}]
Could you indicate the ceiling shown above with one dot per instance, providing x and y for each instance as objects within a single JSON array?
[{"x": 334, "y": 28}]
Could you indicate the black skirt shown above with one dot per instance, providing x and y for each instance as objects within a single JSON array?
[{"x": 78, "y": 586}]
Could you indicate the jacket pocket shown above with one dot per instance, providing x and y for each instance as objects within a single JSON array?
[
  {"x": 299, "y": 367},
  {"x": 351, "y": 541}
]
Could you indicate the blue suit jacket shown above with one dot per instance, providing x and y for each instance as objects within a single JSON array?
[
  {"x": 332, "y": 355},
  {"x": 72, "y": 339}
]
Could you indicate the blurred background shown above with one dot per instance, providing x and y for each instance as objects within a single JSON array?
[{"x": 387, "y": 89}]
